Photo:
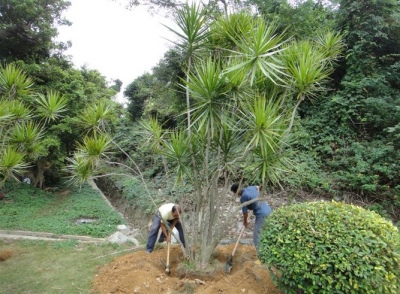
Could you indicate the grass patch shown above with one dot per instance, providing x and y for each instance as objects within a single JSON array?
[
  {"x": 57, "y": 211},
  {"x": 53, "y": 267}
]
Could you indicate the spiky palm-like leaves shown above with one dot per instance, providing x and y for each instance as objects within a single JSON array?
[
  {"x": 51, "y": 106},
  {"x": 330, "y": 45},
  {"x": 19, "y": 136},
  {"x": 14, "y": 82},
  {"x": 154, "y": 133},
  {"x": 88, "y": 161},
  {"x": 257, "y": 53},
  {"x": 193, "y": 32},
  {"x": 309, "y": 65},
  {"x": 94, "y": 118},
  {"x": 11, "y": 164},
  {"x": 208, "y": 89},
  {"x": 177, "y": 149},
  {"x": 27, "y": 138},
  {"x": 264, "y": 123},
  {"x": 228, "y": 30}
]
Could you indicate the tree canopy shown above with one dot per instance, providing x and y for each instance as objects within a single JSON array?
[{"x": 27, "y": 29}]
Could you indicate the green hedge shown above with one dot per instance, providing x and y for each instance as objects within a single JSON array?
[{"x": 330, "y": 247}]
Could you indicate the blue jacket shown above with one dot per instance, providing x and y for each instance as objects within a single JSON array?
[{"x": 259, "y": 208}]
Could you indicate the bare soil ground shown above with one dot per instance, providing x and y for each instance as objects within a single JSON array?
[{"x": 141, "y": 273}]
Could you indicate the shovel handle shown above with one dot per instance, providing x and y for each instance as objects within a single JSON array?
[
  {"x": 237, "y": 242},
  {"x": 167, "y": 266}
]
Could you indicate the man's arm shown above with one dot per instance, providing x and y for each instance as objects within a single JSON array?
[
  {"x": 245, "y": 215},
  {"x": 174, "y": 223},
  {"x": 165, "y": 232}
]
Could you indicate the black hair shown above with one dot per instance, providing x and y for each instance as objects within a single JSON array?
[
  {"x": 234, "y": 188},
  {"x": 174, "y": 209}
]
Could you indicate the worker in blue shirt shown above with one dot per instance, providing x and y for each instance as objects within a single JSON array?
[{"x": 260, "y": 208}]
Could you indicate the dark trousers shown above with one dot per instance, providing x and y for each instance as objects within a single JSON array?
[{"x": 151, "y": 241}]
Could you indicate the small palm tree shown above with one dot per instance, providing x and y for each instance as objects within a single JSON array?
[{"x": 22, "y": 131}]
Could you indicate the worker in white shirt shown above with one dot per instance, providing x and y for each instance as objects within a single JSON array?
[{"x": 170, "y": 213}]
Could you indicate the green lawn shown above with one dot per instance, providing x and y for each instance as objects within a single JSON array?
[
  {"x": 55, "y": 266},
  {"x": 40, "y": 267},
  {"x": 57, "y": 211}
]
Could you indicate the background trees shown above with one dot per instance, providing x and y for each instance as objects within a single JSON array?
[
  {"x": 28, "y": 27},
  {"x": 354, "y": 133},
  {"x": 300, "y": 18},
  {"x": 34, "y": 64}
]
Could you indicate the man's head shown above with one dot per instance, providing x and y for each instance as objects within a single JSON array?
[
  {"x": 235, "y": 189},
  {"x": 176, "y": 211}
]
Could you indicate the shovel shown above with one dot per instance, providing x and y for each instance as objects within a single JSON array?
[{"x": 229, "y": 263}]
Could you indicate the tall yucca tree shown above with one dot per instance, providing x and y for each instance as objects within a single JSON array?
[
  {"x": 226, "y": 112},
  {"x": 239, "y": 131}
]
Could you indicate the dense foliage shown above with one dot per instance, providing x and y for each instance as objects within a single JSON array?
[
  {"x": 28, "y": 27},
  {"x": 353, "y": 135},
  {"x": 301, "y": 19},
  {"x": 331, "y": 247}
]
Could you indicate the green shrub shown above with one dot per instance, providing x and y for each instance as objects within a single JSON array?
[{"x": 330, "y": 247}]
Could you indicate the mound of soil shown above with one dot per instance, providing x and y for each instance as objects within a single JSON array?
[
  {"x": 4, "y": 255},
  {"x": 141, "y": 273}
]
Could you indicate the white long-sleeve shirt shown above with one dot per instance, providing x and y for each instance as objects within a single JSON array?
[{"x": 166, "y": 211}]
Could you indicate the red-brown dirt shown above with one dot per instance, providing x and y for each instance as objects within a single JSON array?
[
  {"x": 141, "y": 273},
  {"x": 4, "y": 255}
]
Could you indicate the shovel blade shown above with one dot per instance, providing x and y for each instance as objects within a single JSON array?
[
  {"x": 228, "y": 268},
  {"x": 228, "y": 265}
]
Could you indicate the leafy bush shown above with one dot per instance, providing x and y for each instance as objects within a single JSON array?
[{"x": 331, "y": 247}]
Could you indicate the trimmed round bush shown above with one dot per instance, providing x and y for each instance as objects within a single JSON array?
[{"x": 331, "y": 247}]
